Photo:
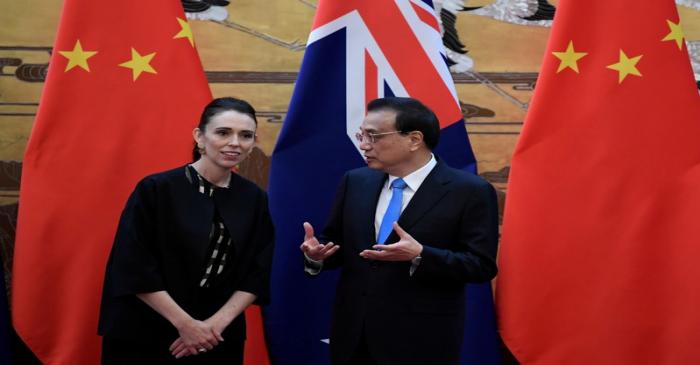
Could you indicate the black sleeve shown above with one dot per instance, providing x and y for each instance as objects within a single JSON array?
[
  {"x": 333, "y": 231},
  {"x": 257, "y": 279},
  {"x": 133, "y": 265}
]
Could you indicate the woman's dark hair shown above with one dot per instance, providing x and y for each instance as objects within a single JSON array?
[
  {"x": 411, "y": 115},
  {"x": 218, "y": 106}
]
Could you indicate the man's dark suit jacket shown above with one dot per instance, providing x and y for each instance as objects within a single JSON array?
[
  {"x": 416, "y": 319},
  {"x": 162, "y": 243}
]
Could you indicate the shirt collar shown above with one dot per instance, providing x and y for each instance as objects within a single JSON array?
[{"x": 415, "y": 179}]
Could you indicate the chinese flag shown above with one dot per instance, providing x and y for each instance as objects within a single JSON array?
[
  {"x": 601, "y": 236},
  {"x": 125, "y": 88}
]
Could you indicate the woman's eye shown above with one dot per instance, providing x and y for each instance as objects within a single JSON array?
[{"x": 247, "y": 135}]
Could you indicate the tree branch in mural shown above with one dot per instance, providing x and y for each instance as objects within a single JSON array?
[
  {"x": 215, "y": 11},
  {"x": 308, "y": 3},
  {"x": 294, "y": 45}
]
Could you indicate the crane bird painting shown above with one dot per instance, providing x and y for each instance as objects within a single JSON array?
[{"x": 522, "y": 12}]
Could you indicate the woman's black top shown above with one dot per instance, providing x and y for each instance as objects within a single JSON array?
[{"x": 164, "y": 242}]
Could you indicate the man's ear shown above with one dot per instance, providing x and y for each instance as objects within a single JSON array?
[{"x": 416, "y": 138}]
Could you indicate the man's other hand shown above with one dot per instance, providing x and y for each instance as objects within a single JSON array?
[{"x": 312, "y": 248}]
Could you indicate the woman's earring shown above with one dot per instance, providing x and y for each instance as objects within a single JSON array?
[{"x": 202, "y": 150}]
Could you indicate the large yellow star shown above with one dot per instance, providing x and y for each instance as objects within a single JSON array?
[
  {"x": 77, "y": 57},
  {"x": 626, "y": 66},
  {"x": 139, "y": 64},
  {"x": 185, "y": 31},
  {"x": 569, "y": 58},
  {"x": 676, "y": 33}
]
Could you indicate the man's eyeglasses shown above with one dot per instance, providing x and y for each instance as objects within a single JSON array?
[{"x": 372, "y": 137}]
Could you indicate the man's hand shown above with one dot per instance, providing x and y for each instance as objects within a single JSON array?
[
  {"x": 405, "y": 249},
  {"x": 312, "y": 248}
]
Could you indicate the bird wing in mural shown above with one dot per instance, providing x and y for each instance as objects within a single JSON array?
[
  {"x": 544, "y": 11},
  {"x": 526, "y": 12},
  {"x": 457, "y": 58}
]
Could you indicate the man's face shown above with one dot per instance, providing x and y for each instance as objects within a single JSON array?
[{"x": 388, "y": 152}]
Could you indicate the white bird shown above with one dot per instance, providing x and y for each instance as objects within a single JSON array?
[
  {"x": 533, "y": 12},
  {"x": 523, "y": 12},
  {"x": 694, "y": 52},
  {"x": 693, "y": 4},
  {"x": 693, "y": 46},
  {"x": 205, "y": 9}
]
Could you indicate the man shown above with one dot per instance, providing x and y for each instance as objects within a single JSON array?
[{"x": 400, "y": 296}]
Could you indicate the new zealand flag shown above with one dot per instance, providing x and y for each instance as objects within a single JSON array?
[{"x": 357, "y": 51}]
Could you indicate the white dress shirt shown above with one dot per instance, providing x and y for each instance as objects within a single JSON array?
[{"x": 413, "y": 181}]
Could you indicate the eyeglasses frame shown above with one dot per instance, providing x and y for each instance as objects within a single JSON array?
[{"x": 372, "y": 136}]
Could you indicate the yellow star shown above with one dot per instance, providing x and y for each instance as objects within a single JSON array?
[
  {"x": 139, "y": 64},
  {"x": 568, "y": 59},
  {"x": 626, "y": 66},
  {"x": 77, "y": 57},
  {"x": 676, "y": 33},
  {"x": 185, "y": 31}
]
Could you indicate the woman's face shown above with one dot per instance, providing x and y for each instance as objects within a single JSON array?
[{"x": 227, "y": 139}]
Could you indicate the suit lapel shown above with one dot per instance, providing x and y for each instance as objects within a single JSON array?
[
  {"x": 431, "y": 191},
  {"x": 368, "y": 195}
]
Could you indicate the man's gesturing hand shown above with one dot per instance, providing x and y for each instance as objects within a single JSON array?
[
  {"x": 312, "y": 248},
  {"x": 405, "y": 249}
]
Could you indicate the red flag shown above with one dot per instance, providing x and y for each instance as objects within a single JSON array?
[
  {"x": 125, "y": 88},
  {"x": 601, "y": 237}
]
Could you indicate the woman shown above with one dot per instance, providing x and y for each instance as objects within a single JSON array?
[{"x": 192, "y": 251}]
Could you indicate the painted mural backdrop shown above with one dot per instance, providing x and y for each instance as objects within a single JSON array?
[{"x": 253, "y": 49}]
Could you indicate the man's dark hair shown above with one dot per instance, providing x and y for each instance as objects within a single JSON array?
[{"x": 411, "y": 115}]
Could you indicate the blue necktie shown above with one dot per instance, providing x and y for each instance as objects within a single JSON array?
[{"x": 393, "y": 211}]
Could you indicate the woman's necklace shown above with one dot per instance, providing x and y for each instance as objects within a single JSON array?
[{"x": 212, "y": 181}]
